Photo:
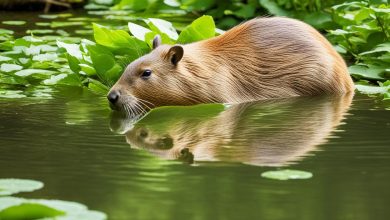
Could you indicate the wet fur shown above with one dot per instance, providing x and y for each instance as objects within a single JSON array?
[{"x": 260, "y": 59}]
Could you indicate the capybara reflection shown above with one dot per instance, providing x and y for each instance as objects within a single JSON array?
[{"x": 265, "y": 133}]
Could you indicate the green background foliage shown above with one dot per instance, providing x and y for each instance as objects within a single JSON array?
[{"x": 359, "y": 30}]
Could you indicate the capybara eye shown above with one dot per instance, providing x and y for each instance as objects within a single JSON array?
[{"x": 146, "y": 74}]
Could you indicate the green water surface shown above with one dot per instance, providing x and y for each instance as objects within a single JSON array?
[{"x": 81, "y": 153}]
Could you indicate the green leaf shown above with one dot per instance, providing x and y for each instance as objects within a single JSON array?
[
  {"x": 385, "y": 47},
  {"x": 273, "y": 8},
  {"x": 63, "y": 79},
  {"x": 200, "y": 29},
  {"x": 138, "y": 31},
  {"x": 162, "y": 27},
  {"x": 366, "y": 72},
  {"x": 4, "y": 59},
  {"x": 287, "y": 174},
  {"x": 119, "y": 40},
  {"x": 29, "y": 211},
  {"x": 12, "y": 208},
  {"x": 105, "y": 65},
  {"x": 368, "y": 89},
  {"x": 97, "y": 87},
  {"x": 72, "y": 49},
  {"x": 14, "y": 22},
  {"x": 5, "y": 67},
  {"x": 13, "y": 186},
  {"x": 28, "y": 72},
  {"x": 246, "y": 11}
]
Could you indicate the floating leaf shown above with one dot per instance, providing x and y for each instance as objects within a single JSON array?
[
  {"x": 14, "y": 22},
  {"x": 287, "y": 174},
  {"x": 3, "y": 58},
  {"x": 28, "y": 72},
  {"x": 20, "y": 208},
  {"x": 13, "y": 186},
  {"x": 5, "y": 67}
]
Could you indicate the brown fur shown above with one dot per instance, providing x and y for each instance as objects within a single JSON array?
[{"x": 259, "y": 59}]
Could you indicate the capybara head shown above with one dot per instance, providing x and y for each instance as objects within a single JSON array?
[{"x": 150, "y": 81}]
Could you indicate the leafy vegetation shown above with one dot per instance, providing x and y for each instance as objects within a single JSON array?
[
  {"x": 359, "y": 31},
  {"x": 14, "y": 208},
  {"x": 363, "y": 39}
]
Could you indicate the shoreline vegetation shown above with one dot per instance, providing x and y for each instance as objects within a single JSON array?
[
  {"x": 123, "y": 30},
  {"x": 45, "y": 4}
]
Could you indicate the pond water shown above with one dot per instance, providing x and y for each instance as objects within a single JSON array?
[{"x": 83, "y": 153}]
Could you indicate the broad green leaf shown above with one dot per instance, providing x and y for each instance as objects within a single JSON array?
[
  {"x": 162, "y": 27},
  {"x": 5, "y": 67},
  {"x": 119, "y": 40},
  {"x": 54, "y": 16},
  {"x": 40, "y": 31},
  {"x": 138, "y": 31},
  {"x": 14, "y": 22},
  {"x": 6, "y": 31},
  {"x": 136, "y": 5},
  {"x": 29, "y": 211},
  {"x": 368, "y": 89},
  {"x": 200, "y": 29},
  {"x": 13, "y": 186},
  {"x": 366, "y": 72},
  {"x": 97, "y": 87},
  {"x": 273, "y": 8},
  {"x": 28, "y": 72},
  {"x": 90, "y": 71},
  {"x": 45, "y": 57},
  {"x": 3, "y": 58},
  {"x": 20, "y": 208},
  {"x": 63, "y": 79},
  {"x": 196, "y": 5},
  {"x": 56, "y": 24},
  {"x": 385, "y": 47},
  {"x": 72, "y": 49},
  {"x": 287, "y": 174}
]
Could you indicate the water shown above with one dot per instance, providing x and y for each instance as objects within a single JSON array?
[{"x": 67, "y": 143}]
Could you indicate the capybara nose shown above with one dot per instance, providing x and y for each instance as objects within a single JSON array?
[{"x": 113, "y": 96}]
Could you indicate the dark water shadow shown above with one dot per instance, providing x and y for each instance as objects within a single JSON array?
[{"x": 276, "y": 132}]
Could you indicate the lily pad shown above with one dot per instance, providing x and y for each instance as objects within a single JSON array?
[
  {"x": 287, "y": 174},
  {"x": 14, "y": 22},
  {"x": 20, "y": 208},
  {"x": 13, "y": 186},
  {"x": 5, "y": 67}
]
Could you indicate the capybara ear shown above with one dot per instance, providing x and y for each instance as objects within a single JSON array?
[
  {"x": 156, "y": 41},
  {"x": 175, "y": 54}
]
